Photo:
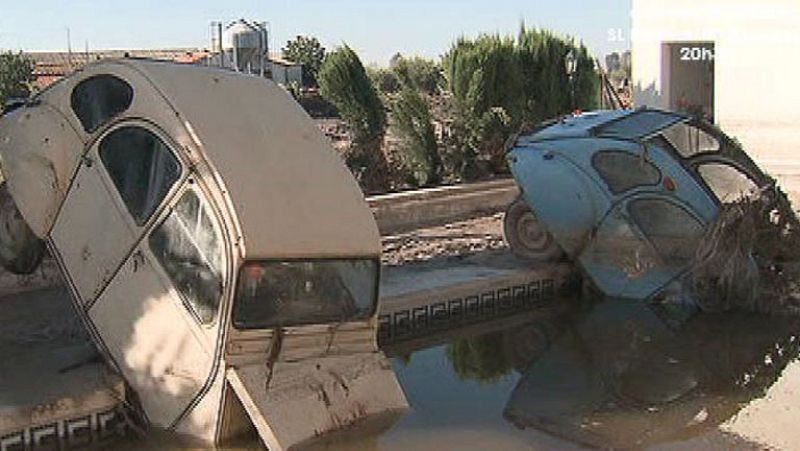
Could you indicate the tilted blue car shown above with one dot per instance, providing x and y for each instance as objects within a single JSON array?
[{"x": 626, "y": 194}]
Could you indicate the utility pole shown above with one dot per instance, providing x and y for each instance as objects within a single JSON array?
[
  {"x": 221, "y": 47},
  {"x": 216, "y": 43},
  {"x": 69, "y": 50}
]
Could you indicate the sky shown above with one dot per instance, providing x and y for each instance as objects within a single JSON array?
[{"x": 376, "y": 29}]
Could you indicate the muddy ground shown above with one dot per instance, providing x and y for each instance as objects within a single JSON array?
[{"x": 450, "y": 240}]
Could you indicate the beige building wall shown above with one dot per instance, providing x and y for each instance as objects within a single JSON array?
[{"x": 757, "y": 44}]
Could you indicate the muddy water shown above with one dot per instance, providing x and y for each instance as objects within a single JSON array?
[{"x": 611, "y": 374}]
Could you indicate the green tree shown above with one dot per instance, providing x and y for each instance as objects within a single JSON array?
[
  {"x": 547, "y": 86},
  {"x": 486, "y": 84},
  {"x": 586, "y": 80},
  {"x": 343, "y": 81},
  {"x": 422, "y": 73},
  {"x": 484, "y": 358},
  {"x": 16, "y": 76},
  {"x": 414, "y": 126},
  {"x": 500, "y": 85},
  {"x": 307, "y": 51},
  {"x": 384, "y": 79}
]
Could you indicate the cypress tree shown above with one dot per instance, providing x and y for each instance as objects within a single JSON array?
[{"x": 343, "y": 81}]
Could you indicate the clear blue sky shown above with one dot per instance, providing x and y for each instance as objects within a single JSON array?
[{"x": 375, "y": 28}]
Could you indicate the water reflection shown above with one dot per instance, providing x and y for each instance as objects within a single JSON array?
[
  {"x": 608, "y": 374},
  {"x": 622, "y": 374}
]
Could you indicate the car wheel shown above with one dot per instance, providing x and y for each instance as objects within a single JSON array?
[
  {"x": 21, "y": 251},
  {"x": 527, "y": 236}
]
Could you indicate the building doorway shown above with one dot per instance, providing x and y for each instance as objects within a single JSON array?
[{"x": 687, "y": 77}]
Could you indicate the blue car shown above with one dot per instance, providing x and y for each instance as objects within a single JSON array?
[{"x": 626, "y": 194}]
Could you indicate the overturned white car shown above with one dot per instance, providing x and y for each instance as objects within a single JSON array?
[{"x": 219, "y": 252}]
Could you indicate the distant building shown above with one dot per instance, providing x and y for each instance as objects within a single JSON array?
[
  {"x": 51, "y": 66},
  {"x": 612, "y": 62},
  {"x": 243, "y": 46},
  {"x": 276, "y": 67},
  {"x": 732, "y": 60},
  {"x": 625, "y": 59},
  {"x": 284, "y": 71}
]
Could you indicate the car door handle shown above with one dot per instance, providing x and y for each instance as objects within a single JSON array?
[{"x": 137, "y": 259}]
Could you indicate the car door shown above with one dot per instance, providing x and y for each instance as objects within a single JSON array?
[
  {"x": 648, "y": 235},
  {"x": 159, "y": 315},
  {"x": 645, "y": 241},
  {"x": 120, "y": 184}
]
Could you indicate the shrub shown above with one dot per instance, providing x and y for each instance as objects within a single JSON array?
[
  {"x": 308, "y": 52},
  {"x": 421, "y": 73},
  {"x": 16, "y": 76},
  {"x": 413, "y": 123},
  {"x": 384, "y": 79},
  {"x": 344, "y": 82},
  {"x": 500, "y": 85}
]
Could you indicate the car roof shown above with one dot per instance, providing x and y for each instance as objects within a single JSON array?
[
  {"x": 629, "y": 124},
  {"x": 292, "y": 192}
]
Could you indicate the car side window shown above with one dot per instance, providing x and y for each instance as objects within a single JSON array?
[
  {"x": 98, "y": 99},
  {"x": 689, "y": 140},
  {"x": 728, "y": 183},
  {"x": 672, "y": 230},
  {"x": 623, "y": 171},
  {"x": 188, "y": 245},
  {"x": 142, "y": 167}
]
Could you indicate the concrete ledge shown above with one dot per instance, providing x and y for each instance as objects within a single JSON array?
[
  {"x": 435, "y": 293},
  {"x": 54, "y": 389},
  {"x": 401, "y": 212}
]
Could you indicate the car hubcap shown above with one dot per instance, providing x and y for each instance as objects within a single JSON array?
[{"x": 531, "y": 233}]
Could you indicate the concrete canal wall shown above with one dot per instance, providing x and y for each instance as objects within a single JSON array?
[
  {"x": 53, "y": 388},
  {"x": 409, "y": 210}
]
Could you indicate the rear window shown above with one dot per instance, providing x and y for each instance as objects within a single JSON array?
[
  {"x": 98, "y": 99},
  {"x": 728, "y": 183},
  {"x": 623, "y": 171},
  {"x": 298, "y": 292}
]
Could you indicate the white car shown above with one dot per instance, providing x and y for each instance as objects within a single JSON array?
[{"x": 217, "y": 248}]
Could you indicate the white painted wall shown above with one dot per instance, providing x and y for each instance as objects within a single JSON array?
[{"x": 757, "y": 63}]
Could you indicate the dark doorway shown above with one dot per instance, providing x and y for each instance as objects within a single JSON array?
[{"x": 687, "y": 77}]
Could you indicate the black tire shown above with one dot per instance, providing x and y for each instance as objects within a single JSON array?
[
  {"x": 21, "y": 251},
  {"x": 526, "y": 235}
]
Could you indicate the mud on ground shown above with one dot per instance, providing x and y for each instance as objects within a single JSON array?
[{"x": 450, "y": 240}]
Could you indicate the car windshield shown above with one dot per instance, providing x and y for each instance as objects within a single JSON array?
[{"x": 300, "y": 292}]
